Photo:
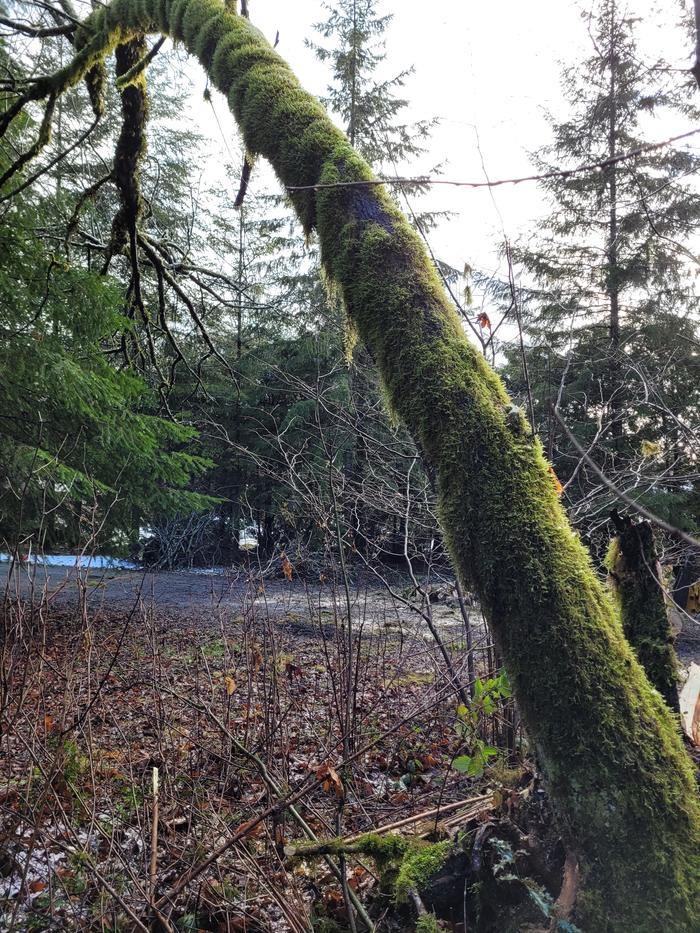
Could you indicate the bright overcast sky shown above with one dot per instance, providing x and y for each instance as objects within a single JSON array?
[{"x": 490, "y": 69}]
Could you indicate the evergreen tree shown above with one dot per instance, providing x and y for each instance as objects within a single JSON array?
[
  {"x": 81, "y": 455},
  {"x": 84, "y": 449},
  {"x": 368, "y": 105},
  {"x": 610, "y": 300},
  {"x": 280, "y": 340},
  {"x": 371, "y": 109},
  {"x": 325, "y": 402}
]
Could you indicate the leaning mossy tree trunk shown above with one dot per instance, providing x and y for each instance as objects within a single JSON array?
[
  {"x": 614, "y": 761},
  {"x": 635, "y": 574}
]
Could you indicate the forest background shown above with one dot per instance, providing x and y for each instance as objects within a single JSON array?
[{"x": 254, "y": 387}]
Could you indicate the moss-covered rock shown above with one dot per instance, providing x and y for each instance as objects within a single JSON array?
[{"x": 614, "y": 761}]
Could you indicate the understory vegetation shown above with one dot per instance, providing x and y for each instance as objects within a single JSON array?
[{"x": 231, "y": 711}]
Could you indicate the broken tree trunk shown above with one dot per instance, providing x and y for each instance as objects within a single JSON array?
[
  {"x": 609, "y": 746},
  {"x": 635, "y": 574}
]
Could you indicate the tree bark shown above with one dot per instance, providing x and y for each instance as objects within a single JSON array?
[
  {"x": 615, "y": 765},
  {"x": 636, "y": 577},
  {"x": 612, "y": 271}
]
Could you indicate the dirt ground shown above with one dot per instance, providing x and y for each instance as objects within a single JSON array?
[
  {"x": 187, "y": 593},
  {"x": 183, "y": 593},
  {"x": 233, "y": 689}
]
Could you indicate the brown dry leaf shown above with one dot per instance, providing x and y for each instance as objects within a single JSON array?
[
  {"x": 230, "y": 685},
  {"x": 256, "y": 659},
  {"x": 114, "y": 773},
  {"x": 555, "y": 479},
  {"x": 331, "y": 780},
  {"x": 35, "y": 886},
  {"x": 333, "y": 899},
  {"x": 286, "y": 567},
  {"x": 359, "y": 875}
]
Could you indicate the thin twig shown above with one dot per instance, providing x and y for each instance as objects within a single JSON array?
[
  {"x": 628, "y": 500},
  {"x": 545, "y": 176}
]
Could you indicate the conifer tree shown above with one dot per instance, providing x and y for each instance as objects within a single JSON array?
[
  {"x": 610, "y": 284},
  {"x": 371, "y": 108},
  {"x": 368, "y": 105},
  {"x": 85, "y": 449}
]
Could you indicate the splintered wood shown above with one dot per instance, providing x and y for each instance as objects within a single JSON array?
[{"x": 690, "y": 705}]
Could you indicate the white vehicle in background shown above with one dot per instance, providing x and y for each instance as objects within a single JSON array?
[{"x": 248, "y": 538}]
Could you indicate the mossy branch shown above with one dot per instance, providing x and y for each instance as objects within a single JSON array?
[
  {"x": 616, "y": 768},
  {"x": 130, "y": 150},
  {"x": 42, "y": 140},
  {"x": 383, "y": 848},
  {"x": 133, "y": 74},
  {"x": 412, "y": 861},
  {"x": 246, "y": 172}
]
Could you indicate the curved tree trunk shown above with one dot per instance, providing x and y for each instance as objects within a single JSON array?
[{"x": 615, "y": 765}]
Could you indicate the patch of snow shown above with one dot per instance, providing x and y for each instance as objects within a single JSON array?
[
  {"x": 89, "y": 562},
  {"x": 38, "y": 867},
  {"x": 206, "y": 571}
]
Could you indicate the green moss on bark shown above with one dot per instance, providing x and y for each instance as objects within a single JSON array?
[
  {"x": 428, "y": 923},
  {"x": 409, "y": 863},
  {"x": 635, "y": 576},
  {"x": 614, "y": 761},
  {"x": 131, "y": 145},
  {"x": 420, "y": 863}
]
